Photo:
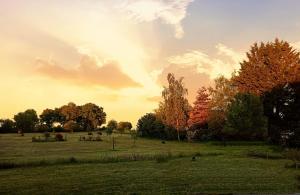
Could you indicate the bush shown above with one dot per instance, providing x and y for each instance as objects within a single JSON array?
[
  {"x": 150, "y": 126},
  {"x": 59, "y": 137},
  {"x": 58, "y": 129}
]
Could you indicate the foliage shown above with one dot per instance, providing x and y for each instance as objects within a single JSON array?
[
  {"x": 113, "y": 124},
  {"x": 88, "y": 116},
  {"x": 26, "y": 121},
  {"x": 7, "y": 126},
  {"x": 221, "y": 96},
  {"x": 42, "y": 128},
  {"x": 50, "y": 116},
  {"x": 72, "y": 126},
  {"x": 150, "y": 125},
  {"x": 281, "y": 106},
  {"x": 122, "y": 126},
  {"x": 268, "y": 65},
  {"x": 70, "y": 112},
  {"x": 91, "y": 116},
  {"x": 199, "y": 112},
  {"x": 245, "y": 118},
  {"x": 173, "y": 110}
]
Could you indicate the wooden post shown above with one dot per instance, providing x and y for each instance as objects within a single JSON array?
[{"x": 113, "y": 143}]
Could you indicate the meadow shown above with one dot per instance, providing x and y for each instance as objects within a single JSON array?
[{"x": 143, "y": 166}]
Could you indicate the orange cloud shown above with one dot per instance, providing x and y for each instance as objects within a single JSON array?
[{"x": 88, "y": 73}]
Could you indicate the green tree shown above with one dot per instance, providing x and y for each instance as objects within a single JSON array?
[
  {"x": 7, "y": 126},
  {"x": 245, "y": 118},
  {"x": 26, "y": 121},
  {"x": 50, "y": 116},
  {"x": 221, "y": 96},
  {"x": 174, "y": 109},
  {"x": 150, "y": 126}
]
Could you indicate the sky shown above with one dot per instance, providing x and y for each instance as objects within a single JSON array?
[{"x": 117, "y": 53}]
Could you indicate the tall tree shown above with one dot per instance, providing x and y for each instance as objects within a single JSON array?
[
  {"x": 281, "y": 106},
  {"x": 268, "y": 65},
  {"x": 26, "y": 121},
  {"x": 221, "y": 96},
  {"x": 174, "y": 108},
  {"x": 199, "y": 113}
]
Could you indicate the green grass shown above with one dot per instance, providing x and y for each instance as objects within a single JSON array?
[{"x": 148, "y": 167}]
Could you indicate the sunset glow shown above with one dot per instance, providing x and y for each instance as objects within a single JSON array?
[{"x": 117, "y": 53}]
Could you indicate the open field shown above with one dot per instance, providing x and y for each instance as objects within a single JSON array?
[{"x": 146, "y": 167}]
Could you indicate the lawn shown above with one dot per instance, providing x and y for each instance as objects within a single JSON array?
[{"x": 148, "y": 166}]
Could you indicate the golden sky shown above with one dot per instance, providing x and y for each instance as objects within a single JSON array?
[{"x": 117, "y": 53}]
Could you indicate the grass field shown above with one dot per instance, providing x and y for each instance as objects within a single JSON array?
[{"x": 146, "y": 167}]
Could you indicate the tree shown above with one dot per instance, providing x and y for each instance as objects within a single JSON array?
[
  {"x": 26, "y": 121},
  {"x": 70, "y": 112},
  {"x": 7, "y": 126},
  {"x": 268, "y": 65},
  {"x": 112, "y": 124},
  {"x": 281, "y": 106},
  {"x": 72, "y": 126},
  {"x": 245, "y": 118},
  {"x": 173, "y": 110},
  {"x": 150, "y": 126},
  {"x": 50, "y": 116},
  {"x": 124, "y": 126},
  {"x": 199, "y": 113},
  {"x": 221, "y": 96},
  {"x": 91, "y": 116}
]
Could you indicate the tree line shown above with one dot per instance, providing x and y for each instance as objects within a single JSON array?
[
  {"x": 67, "y": 118},
  {"x": 261, "y": 101}
]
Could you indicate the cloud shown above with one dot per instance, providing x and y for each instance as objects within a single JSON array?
[
  {"x": 89, "y": 72},
  {"x": 169, "y": 11},
  {"x": 296, "y": 45},
  {"x": 212, "y": 66}
]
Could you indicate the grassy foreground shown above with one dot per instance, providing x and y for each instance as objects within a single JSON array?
[{"x": 148, "y": 166}]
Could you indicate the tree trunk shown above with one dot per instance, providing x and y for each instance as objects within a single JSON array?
[{"x": 177, "y": 128}]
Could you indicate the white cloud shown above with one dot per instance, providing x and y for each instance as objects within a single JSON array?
[
  {"x": 211, "y": 66},
  {"x": 296, "y": 45},
  {"x": 169, "y": 11}
]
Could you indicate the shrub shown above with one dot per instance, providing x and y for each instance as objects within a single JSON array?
[
  {"x": 150, "y": 126},
  {"x": 58, "y": 129},
  {"x": 59, "y": 137}
]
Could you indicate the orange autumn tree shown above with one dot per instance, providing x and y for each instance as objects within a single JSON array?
[
  {"x": 199, "y": 113},
  {"x": 268, "y": 65},
  {"x": 174, "y": 108}
]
